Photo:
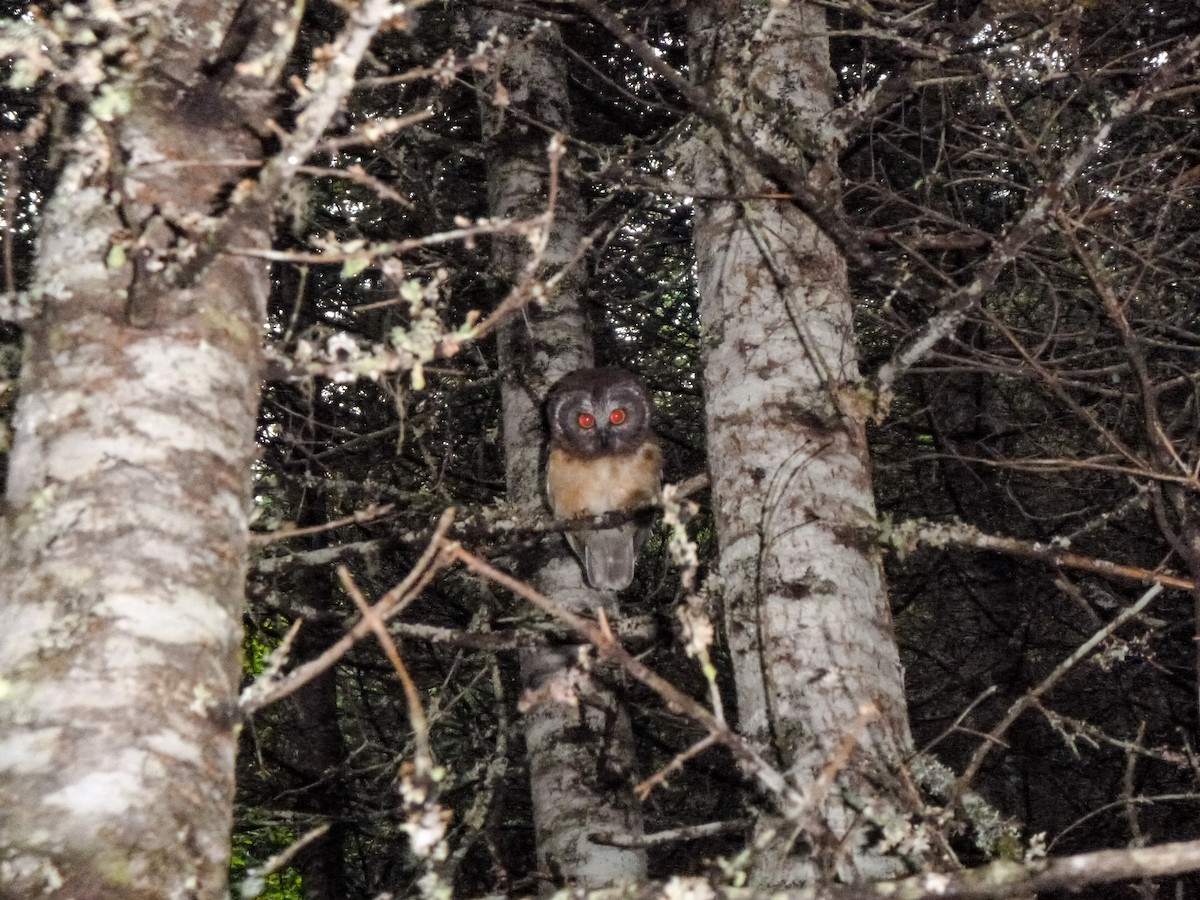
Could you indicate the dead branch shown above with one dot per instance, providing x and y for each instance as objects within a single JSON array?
[
  {"x": 1036, "y": 216},
  {"x": 1032, "y": 696},
  {"x": 260, "y": 694},
  {"x": 908, "y": 535},
  {"x": 611, "y": 651}
]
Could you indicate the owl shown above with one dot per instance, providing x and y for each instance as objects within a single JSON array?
[{"x": 603, "y": 457}]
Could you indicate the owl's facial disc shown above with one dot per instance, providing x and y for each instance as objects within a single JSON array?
[{"x": 598, "y": 412}]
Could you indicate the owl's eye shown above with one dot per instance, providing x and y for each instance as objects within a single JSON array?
[
  {"x": 587, "y": 420},
  {"x": 617, "y": 417}
]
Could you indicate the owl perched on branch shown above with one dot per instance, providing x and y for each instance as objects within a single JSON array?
[{"x": 603, "y": 457}]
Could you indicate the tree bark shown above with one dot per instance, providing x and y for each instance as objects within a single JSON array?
[
  {"x": 807, "y": 617},
  {"x": 123, "y": 559},
  {"x": 580, "y": 757}
]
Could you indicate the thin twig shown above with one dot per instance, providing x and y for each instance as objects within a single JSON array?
[
  {"x": 369, "y": 514},
  {"x": 261, "y": 693},
  {"x": 850, "y": 741},
  {"x": 1037, "y": 214},
  {"x": 1030, "y": 697},
  {"x": 394, "y": 248},
  {"x": 255, "y": 880},
  {"x": 673, "y": 835},
  {"x": 921, "y": 532},
  {"x": 643, "y": 789},
  {"x": 611, "y": 651},
  {"x": 528, "y": 287},
  {"x": 412, "y": 697},
  {"x": 954, "y": 726}
]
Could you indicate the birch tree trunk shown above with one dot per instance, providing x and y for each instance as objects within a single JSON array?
[
  {"x": 807, "y": 616},
  {"x": 122, "y": 562},
  {"x": 580, "y": 759}
]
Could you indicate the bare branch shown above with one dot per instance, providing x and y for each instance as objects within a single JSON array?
[
  {"x": 1032, "y": 696},
  {"x": 919, "y": 532},
  {"x": 260, "y": 694},
  {"x": 612, "y": 652},
  {"x": 1036, "y": 215}
]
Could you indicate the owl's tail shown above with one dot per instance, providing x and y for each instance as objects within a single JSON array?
[{"x": 608, "y": 557}]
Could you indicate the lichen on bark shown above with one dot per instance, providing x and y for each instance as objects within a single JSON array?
[
  {"x": 122, "y": 566},
  {"x": 807, "y": 617}
]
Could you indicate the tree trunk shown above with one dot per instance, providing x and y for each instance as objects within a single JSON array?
[
  {"x": 310, "y": 731},
  {"x": 123, "y": 558},
  {"x": 807, "y": 617},
  {"x": 314, "y": 722},
  {"x": 580, "y": 759}
]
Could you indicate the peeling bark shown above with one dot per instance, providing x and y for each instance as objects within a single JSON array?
[
  {"x": 123, "y": 559},
  {"x": 580, "y": 758},
  {"x": 807, "y": 618}
]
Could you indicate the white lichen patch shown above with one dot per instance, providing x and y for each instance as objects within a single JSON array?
[
  {"x": 144, "y": 150},
  {"x": 202, "y": 699},
  {"x": 66, "y": 266},
  {"x": 55, "y": 407},
  {"x": 151, "y": 439},
  {"x": 99, "y": 795},
  {"x": 167, "y": 553},
  {"x": 935, "y": 883},
  {"x": 79, "y": 454},
  {"x": 688, "y": 889},
  {"x": 203, "y": 368},
  {"x": 186, "y": 616},
  {"x": 179, "y": 433},
  {"x": 25, "y": 752},
  {"x": 27, "y": 869},
  {"x": 25, "y": 636},
  {"x": 171, "y": 744}
]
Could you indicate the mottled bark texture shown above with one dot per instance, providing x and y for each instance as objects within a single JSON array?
[
  {"x": 125, "y": 530},
  {"x": 580, "y": 758},
  {"x": 807, "y": 617}
]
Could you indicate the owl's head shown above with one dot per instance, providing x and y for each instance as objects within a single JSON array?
[{"x": 595, "y": 412}]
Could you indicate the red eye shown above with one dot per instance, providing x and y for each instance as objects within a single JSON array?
[
  {"x": 617, "y": 417},
  {"x": 587, "y": 420}
]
